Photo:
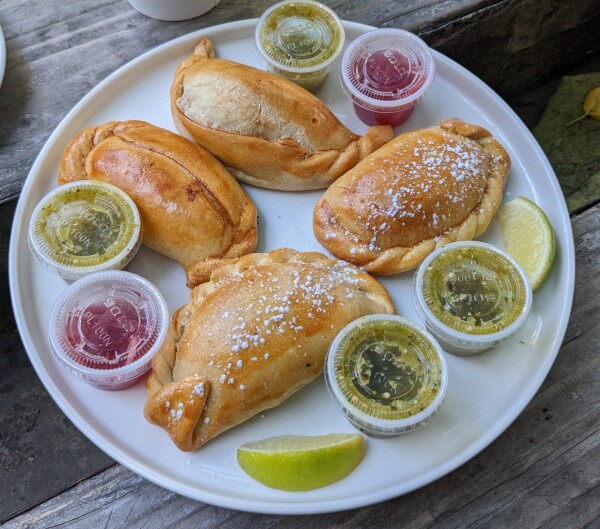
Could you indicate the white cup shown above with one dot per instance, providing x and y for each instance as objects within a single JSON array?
[{"x": 173, "y": 10}]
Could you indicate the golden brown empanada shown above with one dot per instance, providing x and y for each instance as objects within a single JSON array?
[
  {"x": 192, "y": 209},
  {"x": 268, "y": 131},
  {"x": 423, "y": 189},
  {"x": 252, "y": 336}
]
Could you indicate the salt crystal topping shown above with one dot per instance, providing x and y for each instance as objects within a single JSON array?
[
  {"x": 253, "y": 331},
  {"x": 421, "y": 170},
  {"x": 178, "y": 413}
]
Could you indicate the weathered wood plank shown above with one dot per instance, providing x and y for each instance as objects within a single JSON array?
[
  {"x": 36, "y": 438},
  {"x": 513, "y": 45},
  {"x": 544, "y": 471},
  {"x": 58, "y": 51}
]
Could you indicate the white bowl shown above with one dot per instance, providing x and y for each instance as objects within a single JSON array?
[{"x": 173, "y": 10}]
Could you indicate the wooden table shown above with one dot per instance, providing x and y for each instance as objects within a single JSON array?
[{"x": 543, "y": 471}]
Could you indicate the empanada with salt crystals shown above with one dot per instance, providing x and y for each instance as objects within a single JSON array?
[
  {"x": 268, "y": 131},
  {"x": 422, "y": 190},
  {"x": 192, "y": 209},
  {"x": 252, "y": 336}
]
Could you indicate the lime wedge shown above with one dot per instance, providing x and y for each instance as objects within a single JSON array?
[
  {"x": 528, "y": 237},
  {"x": 297, "y": 462}
]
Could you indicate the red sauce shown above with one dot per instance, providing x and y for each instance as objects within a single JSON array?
[
  {"x": 109, "y": 334},
  {"x": 106, "y": 327},
  {"x": 386, "y": 72},
  {"x": 392, "y": 75},
  {"x": 374, "y": 117}
]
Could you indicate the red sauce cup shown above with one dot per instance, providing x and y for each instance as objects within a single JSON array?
[
  {"x": 106, "y": 327},
  {"x": 386, "y": 72}
]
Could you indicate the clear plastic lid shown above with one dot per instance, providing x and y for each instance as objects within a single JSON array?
[
  {"x": 387, "y": 68},
  {"x": 386, "y": 374},
  {"x": 106, "y": 327},
  {"x": 84, "y": 227},
  {"x": 299, "y": 36},
  {"x": 471, "y": 295}
]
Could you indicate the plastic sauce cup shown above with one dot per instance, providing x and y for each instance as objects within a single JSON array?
[
  {"x": 386, "y": 374},
  {"x": 106, "y": 327},
  {"x": 85, "y": 227},
  {"x": 300, "y": 40},
  {"x": 471, "y": 296},
  {"x": 386, "y": 72}
]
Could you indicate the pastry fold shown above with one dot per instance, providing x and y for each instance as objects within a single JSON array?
[
  {"x": 192, "y": 209},
  {"x": 251, "y": 337},
  {"x": 422, "y": 190},
  {"x": 268, "y": 131}
]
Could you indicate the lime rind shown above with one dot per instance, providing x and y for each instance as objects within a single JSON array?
[
  {"x": 286, "y": 443},
  {"x": 529, "y": 238},
  {"x": 301, "y": 463}
]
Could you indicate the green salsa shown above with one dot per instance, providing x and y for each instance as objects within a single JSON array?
[
  {"x": 85, "y": 225},
  {"x": 474, "y": 290},
  {"x": 299, "y": 40},
  {"x": 388, "y": 370}
]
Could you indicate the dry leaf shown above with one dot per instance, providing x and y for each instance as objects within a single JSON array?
[{"x": 574, "y": 152}]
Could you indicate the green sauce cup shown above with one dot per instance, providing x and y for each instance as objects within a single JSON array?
[
  {"x": 300, "y": 40},
  {"x": 84, "y": 227}
]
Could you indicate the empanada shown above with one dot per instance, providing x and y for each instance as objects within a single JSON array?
[
  {"x": 252, "y": 336},
  {"x": 192, "y": 209},
  {"x": 268, "y": 131},
  {"x": 423, "y": 189}
]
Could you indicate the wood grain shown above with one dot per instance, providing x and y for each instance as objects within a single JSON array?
[
  {"x": 544, "y": 471},
  {"x": 36, "y": 438},
  {"x": 58, "y": 51}
]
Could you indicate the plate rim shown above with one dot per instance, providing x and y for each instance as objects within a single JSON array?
[
  {"x": 2, "y": 56},
  {"x": 283, "y": 507}
]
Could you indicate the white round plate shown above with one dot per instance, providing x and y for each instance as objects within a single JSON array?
[
  {"x": 485, "y": 393},
  {"x": 2, "y": 55}
]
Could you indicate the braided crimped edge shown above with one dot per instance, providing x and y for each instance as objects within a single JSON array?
[
  {"x": 370, "y": 286},
  {"x": 399, "y": 258},
  {"x": 244, "y": 233},
  {"x": 298, "y": 169},
  {"x": 163, "y": 364},
  {"x": 164, "y": 392}
]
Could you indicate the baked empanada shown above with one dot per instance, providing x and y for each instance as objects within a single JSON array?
[
  {"x": 192, "y": 209},
  {"x": 423, "y": 189},
  {"x": 252, "y": 336},
  {"x": 268, "y": 131}
]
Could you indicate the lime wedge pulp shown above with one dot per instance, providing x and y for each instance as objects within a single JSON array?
[
  {"x": 300, "y": 463},
  {"x": 528, "y": 237}
]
